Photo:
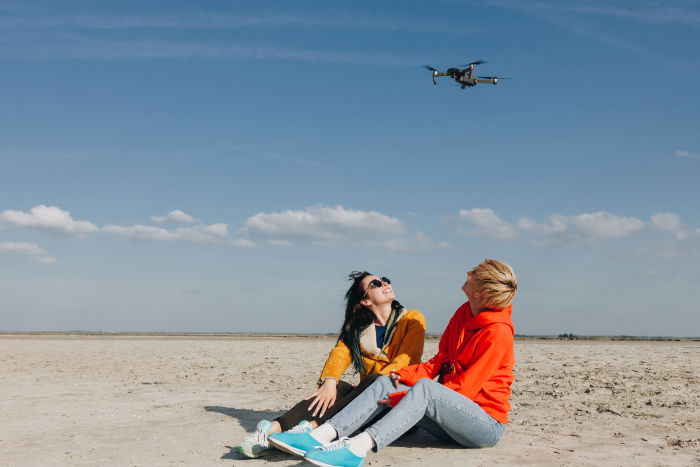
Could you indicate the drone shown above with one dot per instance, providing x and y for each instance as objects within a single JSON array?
[{"x": 463, "y": 76}]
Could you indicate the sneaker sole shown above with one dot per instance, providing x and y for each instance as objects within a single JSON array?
[
  {"x": 286, "y": 447},
  {"x": 323, "y": 464},
  {"x": 239, "y": 450}
]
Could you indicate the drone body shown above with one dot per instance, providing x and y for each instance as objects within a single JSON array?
[{"x": 464, "y": 76}]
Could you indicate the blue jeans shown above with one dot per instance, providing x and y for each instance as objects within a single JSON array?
[{"x": 442, "y": 412}]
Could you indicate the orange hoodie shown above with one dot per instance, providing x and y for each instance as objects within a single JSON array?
[{"x": 480, "y": 348}]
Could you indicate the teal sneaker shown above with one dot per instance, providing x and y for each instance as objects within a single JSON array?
[
  {"x": 336, "y": 454},
  {"x": 256, "y": 444},
  {"x": 296, "y": 441}
]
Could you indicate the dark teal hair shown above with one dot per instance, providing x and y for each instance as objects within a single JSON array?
[{"x": 358, "y": 318}]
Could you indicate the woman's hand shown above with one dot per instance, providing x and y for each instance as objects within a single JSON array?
[
  {"x": 395, "y": 379},
  {"x": 324, "y": 397}
]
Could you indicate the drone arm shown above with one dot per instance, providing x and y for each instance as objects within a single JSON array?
[
  {"x": 436, "y": 74},
  {"x": 487, "y": 81}
]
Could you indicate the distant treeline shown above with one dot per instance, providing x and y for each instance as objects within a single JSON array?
[{"x": 570, "y": 336}]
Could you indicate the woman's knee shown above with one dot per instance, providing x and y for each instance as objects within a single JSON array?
[
  {"x": 487, "y": 442},
  {"x": 484, "y": 437},
  {"x": 423, "y": 384}
]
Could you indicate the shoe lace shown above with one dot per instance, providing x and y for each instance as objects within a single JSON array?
[
  {"x": 335, "y": 445},
  {"x": 303, "y": 428},
  {"x": 258, "y": 437}
]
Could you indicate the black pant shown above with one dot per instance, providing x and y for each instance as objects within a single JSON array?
[{"x": 346, "y": 393}]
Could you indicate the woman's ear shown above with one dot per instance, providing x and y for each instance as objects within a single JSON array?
[{"x": 364, "y": 302}]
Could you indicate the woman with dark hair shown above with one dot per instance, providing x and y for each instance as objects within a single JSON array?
[{"x": 378, "y": 336}]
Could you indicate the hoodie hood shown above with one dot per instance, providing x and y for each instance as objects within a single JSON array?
[{"x": 491, "y": 316}]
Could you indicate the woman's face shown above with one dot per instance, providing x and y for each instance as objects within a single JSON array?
[
  {"x": 377, "y": 295},
  {"x": 469, "y": 288}
]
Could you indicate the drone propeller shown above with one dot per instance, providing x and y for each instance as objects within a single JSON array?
[
  {"x": 478, "y": 62},
  {"x": 435, "y": 72}
]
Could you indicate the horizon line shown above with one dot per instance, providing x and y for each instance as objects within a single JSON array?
[{"x": 563, "y": 336}]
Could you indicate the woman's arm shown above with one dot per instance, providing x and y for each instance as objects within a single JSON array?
[{"x": 337, "y": 362}]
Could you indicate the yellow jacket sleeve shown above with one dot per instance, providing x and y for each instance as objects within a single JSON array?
[
  {"x": 338, "y": 361},
  {"x": 410, "y": 342}
]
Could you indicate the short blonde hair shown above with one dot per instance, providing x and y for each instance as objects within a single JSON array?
[{"x": 496, "y": 283}]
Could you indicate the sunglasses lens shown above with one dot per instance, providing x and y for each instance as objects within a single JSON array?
[
  {"x": 376, "y": 283},
  {"x": 386, "y": 280}
]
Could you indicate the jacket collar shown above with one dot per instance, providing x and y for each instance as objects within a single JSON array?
[{"x": 368, "y": 337}]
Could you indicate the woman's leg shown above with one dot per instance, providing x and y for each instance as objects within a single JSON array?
[
  {"x": 364, "y": 407},
  {"x": 461, "y": 418},
  {"x": 301, "y": 412}
]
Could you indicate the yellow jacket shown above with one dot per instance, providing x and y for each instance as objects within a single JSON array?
[{"x": 402, "y": 348}]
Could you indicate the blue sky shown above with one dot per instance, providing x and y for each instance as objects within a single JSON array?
[{"x": 221, "y": 166}]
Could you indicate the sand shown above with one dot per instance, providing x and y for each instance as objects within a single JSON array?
[{"x": 178, "y": 400}]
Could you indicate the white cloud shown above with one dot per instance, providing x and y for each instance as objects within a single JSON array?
[
  {"x": 687, "y": 154},
  {"x": 33, "y": 251},
  {"x": 670, "y": 222},
  {"x": 580, "y": 230},
  {"x": 56, "y": 220},
  {"x": 531, "y": 226},
  {"x": 667, "y": 221},
  {"x": 600, "y": 224},
  {"x": 486, "y": 222},
  {"x": 576, "y": 230},
  {"x": 219, "y": 229},
  {"x": 140, "y": 232},
  {"x": 241, "y": 242},
  {"x": 174, "y": 216},
  {"x": 336, "y": 226},
  {"x": 214, "y": 233},
  {"x": 324, "y": 225},
  {"x": 48, "y": 218},
  {"x": 419, "y": 241}
]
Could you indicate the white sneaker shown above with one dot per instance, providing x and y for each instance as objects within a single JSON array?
[{"x": 256, "y": 444}]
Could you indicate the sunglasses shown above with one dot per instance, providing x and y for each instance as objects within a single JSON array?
[{"x": 376, "y": 283}]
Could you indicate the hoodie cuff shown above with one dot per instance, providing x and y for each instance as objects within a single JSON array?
[{"x": 396, "y": 397}]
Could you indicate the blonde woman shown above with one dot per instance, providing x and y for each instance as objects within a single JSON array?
[{"x": 469, "y": 403}]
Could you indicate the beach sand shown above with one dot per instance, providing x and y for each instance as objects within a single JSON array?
[{"x": 143, "y": 401}]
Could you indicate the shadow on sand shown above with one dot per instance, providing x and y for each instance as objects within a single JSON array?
[
  {"x": 422, "y": 439},
  {"x": 248, "y": 419}
]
